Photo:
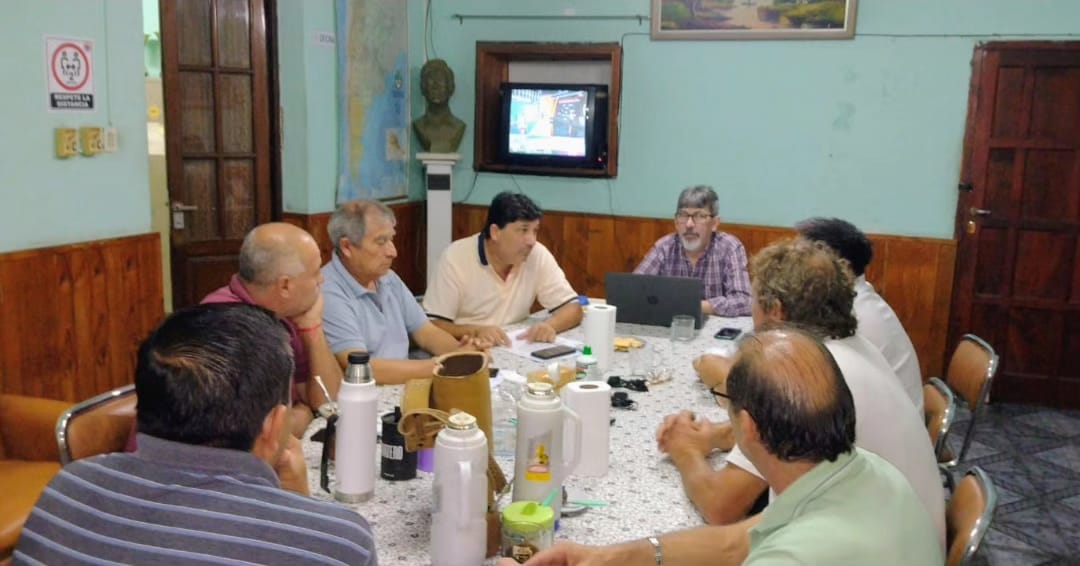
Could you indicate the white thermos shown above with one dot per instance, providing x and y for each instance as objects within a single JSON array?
[
  {"x": 354, "y": 459},
  {"x": 539, "y": 465},
  {"x": 460, "y": 492}
]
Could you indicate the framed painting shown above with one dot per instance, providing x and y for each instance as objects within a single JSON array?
[{"x": 753, "y": 19}]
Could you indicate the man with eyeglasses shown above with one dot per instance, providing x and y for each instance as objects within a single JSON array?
[
  {"x": 368, "y": 307},
  {"x": 697, "y": 249},
  {"x": 794, "y": 417}
]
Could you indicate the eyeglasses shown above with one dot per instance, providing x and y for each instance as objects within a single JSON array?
[
  {"x": 698, "y": 217},
  {"x": 720, "y": 395}
]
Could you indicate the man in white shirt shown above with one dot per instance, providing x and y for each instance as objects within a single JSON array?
[
  {"x": 877, "y": 321},
  {"x": 805, "y": 283},
  {"x": 492, "y": 279}
]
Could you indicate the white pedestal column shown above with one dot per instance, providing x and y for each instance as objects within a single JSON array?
[{"x": 438, "y": 169}]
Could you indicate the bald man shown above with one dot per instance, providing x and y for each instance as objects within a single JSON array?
[
  {"x": 793, "y": 416},
  {"x": 279, "y": 271}
]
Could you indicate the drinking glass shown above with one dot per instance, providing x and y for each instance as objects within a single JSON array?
[{"x": 682, "y": 328}]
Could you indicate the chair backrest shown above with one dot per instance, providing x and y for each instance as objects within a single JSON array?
[
  {"x": 939, "y": 410},
  {"x": 972, "y": 369},
  {"x": 96, "y": 426},
  {"x": 968, "y": 516}
]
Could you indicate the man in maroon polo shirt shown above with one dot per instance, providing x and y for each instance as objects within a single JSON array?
[{"x": 279, "y": 271}]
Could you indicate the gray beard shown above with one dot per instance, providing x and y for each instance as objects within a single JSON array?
[{"x": 691, "y": 247}]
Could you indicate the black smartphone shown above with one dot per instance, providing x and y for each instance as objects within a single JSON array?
[
  {"x": 728, "y": 333},
  {"x": 553, "y": 352}
]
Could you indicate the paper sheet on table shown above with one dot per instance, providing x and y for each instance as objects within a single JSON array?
[{"x": 524, "y": 348}]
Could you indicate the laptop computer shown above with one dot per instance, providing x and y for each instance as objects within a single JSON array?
[{"x": 653, "y": 299}]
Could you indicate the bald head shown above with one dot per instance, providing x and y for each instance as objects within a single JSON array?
[
  {"x": 790, "y": 385},
  {"x": 274, "y": 250}
]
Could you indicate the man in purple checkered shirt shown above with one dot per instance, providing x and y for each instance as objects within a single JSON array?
[{"x": 696, "y": 249}]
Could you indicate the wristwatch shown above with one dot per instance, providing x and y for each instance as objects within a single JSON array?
[{"x": 655, "y": 542}]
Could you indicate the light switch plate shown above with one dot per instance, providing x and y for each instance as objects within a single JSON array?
[{"x": 110, "y": 140}]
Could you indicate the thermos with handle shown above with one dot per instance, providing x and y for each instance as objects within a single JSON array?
[
  {"x": 355, "y": 452},
  {"x": 460, "y": 492},
  {"x": 539, "y": 466}
]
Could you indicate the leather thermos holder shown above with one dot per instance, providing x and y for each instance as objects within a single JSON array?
[{"x": 461, "y": 383}]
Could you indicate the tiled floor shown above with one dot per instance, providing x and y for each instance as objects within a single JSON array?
[{"x": 1033, "y": 456}]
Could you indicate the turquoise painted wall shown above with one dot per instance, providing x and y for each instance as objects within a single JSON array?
[
  {"x": 869, "y": 129},
  {"x": 48, "y": 201},
  {"x": 308, "y": 85}
]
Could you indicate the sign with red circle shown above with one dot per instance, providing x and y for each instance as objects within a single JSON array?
[{"x": 70, "y": 70}]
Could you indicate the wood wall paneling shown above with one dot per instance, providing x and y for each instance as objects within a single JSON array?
[
  {"x": 410, "y": 240},
  {"x": 73, "y": 316},
  {"x": 915, "y": 275}
]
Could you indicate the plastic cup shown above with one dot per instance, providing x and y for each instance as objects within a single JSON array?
[{"x": 682, "y": 328}]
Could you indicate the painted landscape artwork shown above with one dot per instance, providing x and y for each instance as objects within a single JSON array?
[{"x": 753, "y": 19}]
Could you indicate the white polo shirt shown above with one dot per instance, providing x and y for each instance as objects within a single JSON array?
[
  {"x": 467, "y": 290},
  {"x": 885, "y": 424},
  {"x": 879, "y": 325}
]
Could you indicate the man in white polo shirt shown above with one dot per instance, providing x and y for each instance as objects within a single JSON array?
[
  {"x": 877, "y": 321},
  {"x": 805, "y": 283},
  {"x": 491, "y": 279}
]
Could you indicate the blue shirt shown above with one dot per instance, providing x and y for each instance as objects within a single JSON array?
[{"x": 356, "y": 318}]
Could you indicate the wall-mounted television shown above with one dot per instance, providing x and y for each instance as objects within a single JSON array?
[{"x": 544, "y": 128}]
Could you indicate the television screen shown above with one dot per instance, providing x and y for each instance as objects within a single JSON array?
[{"x": 547, "y": 122}]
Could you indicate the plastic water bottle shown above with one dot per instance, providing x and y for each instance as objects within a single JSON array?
[
  {"x": 503, "y": 419},
  {"x": 539, "y": 466},
  {"x": 354, "y": 460},
  {"x": 459, "y": 497}
]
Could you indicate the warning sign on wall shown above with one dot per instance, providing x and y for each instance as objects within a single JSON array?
[{"x": 70, "y": 67}]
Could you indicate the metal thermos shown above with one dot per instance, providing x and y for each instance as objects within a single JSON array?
[{"x": 354, "y": 462}]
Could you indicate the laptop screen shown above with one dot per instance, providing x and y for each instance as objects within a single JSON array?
[{"x": 653, "y": 299}]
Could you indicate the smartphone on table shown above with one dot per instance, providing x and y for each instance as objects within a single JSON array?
[
  {"x": 727, "y": 333},
  {"x": 553, "y": 352}
]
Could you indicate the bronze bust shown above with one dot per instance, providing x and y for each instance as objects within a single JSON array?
[{"x": 438, "y": 130}]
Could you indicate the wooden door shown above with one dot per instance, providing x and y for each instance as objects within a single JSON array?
[
  {"x": 217, "y": 135},
  {"x": 1018, "y": 262}
]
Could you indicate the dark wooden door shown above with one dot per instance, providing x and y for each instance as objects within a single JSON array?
[
  {"x": 1018, "y": 264},
  {"x": 218, "y": 122}
]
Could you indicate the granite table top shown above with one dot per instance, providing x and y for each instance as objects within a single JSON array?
[{"x": 642, "y": 488}]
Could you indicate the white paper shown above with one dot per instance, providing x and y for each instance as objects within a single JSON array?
[{"x": 524, "y": 348}]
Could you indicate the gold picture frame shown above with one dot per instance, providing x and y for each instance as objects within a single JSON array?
[{"x": 752, "y": 19}]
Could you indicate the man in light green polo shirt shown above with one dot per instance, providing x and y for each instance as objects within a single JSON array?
[{"x": 793, "y": 416}]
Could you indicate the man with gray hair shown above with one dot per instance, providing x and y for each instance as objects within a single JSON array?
[
  {"x": 697, "y": 249},
  {"x": 368, "y": 307},
  {"x": 279, "y": 271}
]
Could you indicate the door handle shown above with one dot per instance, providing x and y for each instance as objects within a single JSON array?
[
  {"x": 181, "y": 207},
  {"x": 979, "y": 212}
]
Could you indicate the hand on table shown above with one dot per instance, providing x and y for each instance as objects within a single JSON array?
[
  {"x": 539, "y": 332},
  {"x": 291, "y": 468},
  {"x": 713, "y": 370},
  {"x": 312, "y": 317},
  {"x": 684, "y": 435},
  {"x": 491, "y": 335}
]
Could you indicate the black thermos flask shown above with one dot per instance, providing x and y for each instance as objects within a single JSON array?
[{"x": 397, "y": 464}]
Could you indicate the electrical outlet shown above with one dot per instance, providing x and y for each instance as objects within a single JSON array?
[
  {"x": 110, "y": 140},
  {"x": 90, "y": 140},
  {"x": 66, "y": 142}
]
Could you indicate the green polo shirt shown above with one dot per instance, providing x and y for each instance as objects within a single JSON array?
[{"x": 857, "y": 510}]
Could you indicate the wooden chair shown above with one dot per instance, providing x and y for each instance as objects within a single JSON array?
[
  {"x": 968, "y": 516},
  {"x": 971, "y": 371},
  {"x": 939, "y": 407},
  {"x": 98, "y": 425}
]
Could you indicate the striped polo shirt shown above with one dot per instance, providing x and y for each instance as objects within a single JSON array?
[{"x": 175, "y": 503}]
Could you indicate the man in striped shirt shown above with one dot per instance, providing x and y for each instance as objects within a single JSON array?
[
  {"x": 697, "y": 249},
  {"x": 218, "y": 478}
]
